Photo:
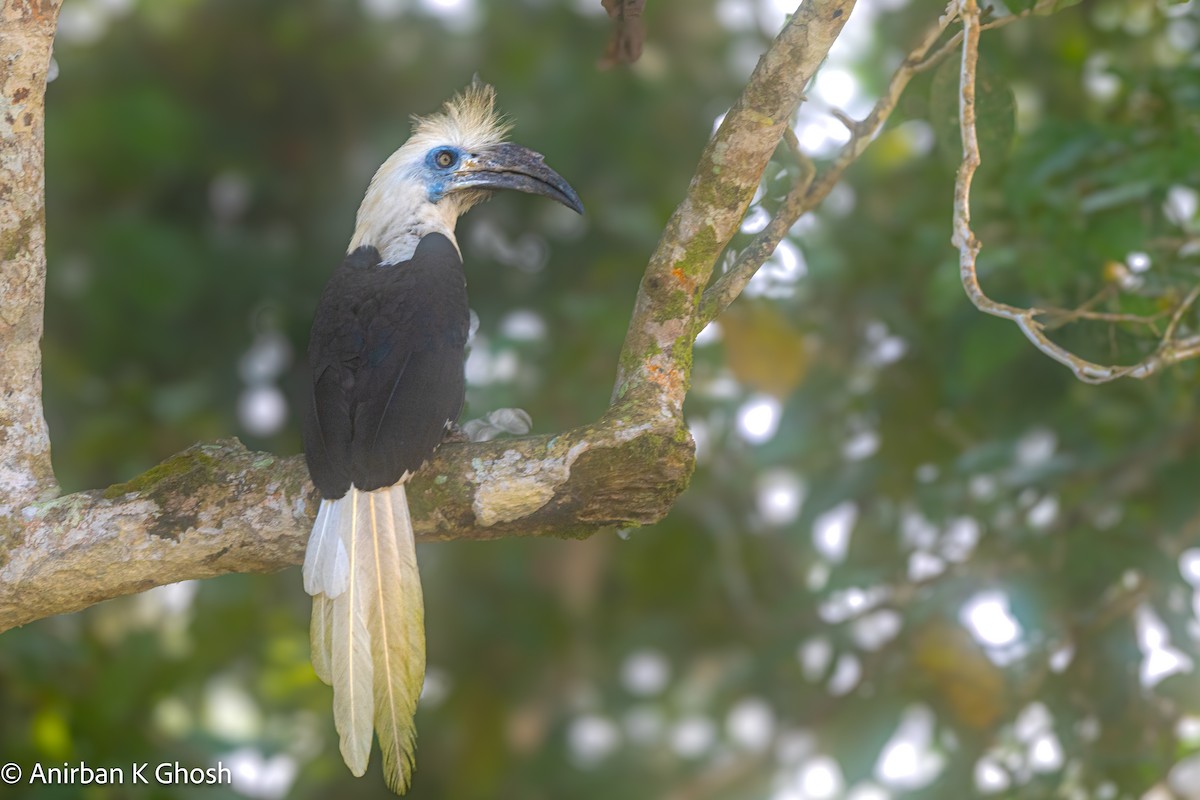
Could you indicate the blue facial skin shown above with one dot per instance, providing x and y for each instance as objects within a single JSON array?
[{"x": 437, "y": 178}]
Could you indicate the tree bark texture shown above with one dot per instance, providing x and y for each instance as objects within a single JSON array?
[{"x": 26, "y": 35}]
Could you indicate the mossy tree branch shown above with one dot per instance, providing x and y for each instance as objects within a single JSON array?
[{"x": 218, "y": 508}]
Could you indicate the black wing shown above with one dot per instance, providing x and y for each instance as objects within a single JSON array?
[{"x": 386, "y": 352}]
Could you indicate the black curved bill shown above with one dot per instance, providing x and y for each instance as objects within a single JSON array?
[{"x": 510, "y": 166}]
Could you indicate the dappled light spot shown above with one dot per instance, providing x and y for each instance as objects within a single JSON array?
[
  {"x": 1099, "y": 83},
  {"x": 861, "y": 445},
  {"x": 1138, "y": 262},
  {"x": 457, "y": 15},
  {"x": 820, "y": 778},
  {"x": 436, "y": 687},
  {"x": 918, "y": 137},
  {"x": 758, "y": 419},
  {"x": 693, "y": 736},
  {"x": 756, "y": 219},
  {"x": 780, "y": 497},
  {"x": 874, "y": 630},
  {"x": 835, "y": 86},
  {"x": 645, "y": 673},
  {"x": 1061, "y": 657},
  {"x": 523, "y": 325},
  {"x": 1045, "y": 753},
  {"x": 262, "y": 410},
  {"x": 983, "y": 487},
  {"x": 779, "y": 273},
  {"x": 709, "y": 334},
  {"x": 909, "y": 760},
  {"x": 846, "y": 675},
  {"x": 591, "y": 739},
  {"x": 1184, "y": 778},
  {"x": 923, "y": 566},
  {"x": 1181, "y": 204},
  {"x": 831, "y": 530},
  {"x": 751, "y": 724},
  {"x": 989, "y": 620},
  {"x": 990, "y": 777},
  {"x": 1043, "y": 513},
  {"x": 820, "y": 135},
  {"x": 1160, "y": 660},
  {"x": 815, "y": 655},
  {"x": 486, "y": 366},
  {"x": 258, "y": 776},
  {"x": 851, "y": 602},
  {"x": 1187, "y": 728},
  {"x": 959, "y": 539},
  {"x": 1035, "y": 447},
  {"x": 868, "y": 791},
  {"x": 230, "y": 712},
  {"x": 883, "y": 348}
]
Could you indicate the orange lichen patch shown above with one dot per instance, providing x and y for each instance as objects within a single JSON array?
[
  {"x": 668, "y": 379},
  {"x": 686, "y": 281}
]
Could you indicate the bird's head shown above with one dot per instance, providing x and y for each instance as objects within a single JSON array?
[{"x": 454, "y": 159}]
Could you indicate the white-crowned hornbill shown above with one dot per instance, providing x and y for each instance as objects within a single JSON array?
[{"x": 386, "y": 353}]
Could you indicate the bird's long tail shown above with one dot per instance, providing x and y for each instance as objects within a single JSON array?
[{"x": 368, "y": 628}]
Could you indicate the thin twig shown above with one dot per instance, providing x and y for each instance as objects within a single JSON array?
[
  {"x": 808, "y": 192},
  {"x": 953, "y": 42},
  {"x": 1065, "y": 316},
  {"x": 864, "y": 132},
  {"x": 725, "y": 289},
  {"x": 1169, "y": 350}
]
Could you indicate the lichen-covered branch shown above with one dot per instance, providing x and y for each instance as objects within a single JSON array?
[
  {"x": 726, "y": 288},
  {"x": 655, "y": 363},
  {"x": 218, "y": 508},
  {"x": 26, "y": 35}
]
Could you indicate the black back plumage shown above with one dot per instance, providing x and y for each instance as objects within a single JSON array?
[{"x": 386, "y": 352}]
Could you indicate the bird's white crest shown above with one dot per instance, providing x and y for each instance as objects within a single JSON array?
[
  {"x": 468, "y": 120},
  {"x": 396, "y": 211}
]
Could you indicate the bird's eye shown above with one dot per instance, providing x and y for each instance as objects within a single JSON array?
[{"x": 444, "y": 158}]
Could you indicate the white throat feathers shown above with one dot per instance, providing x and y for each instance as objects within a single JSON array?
[{"x": 407, "y": 198}]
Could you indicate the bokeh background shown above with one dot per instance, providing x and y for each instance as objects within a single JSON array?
[{"x": 917, "y": 559}]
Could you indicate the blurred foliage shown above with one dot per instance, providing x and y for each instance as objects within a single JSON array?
[{"x": 917, "y": 559}]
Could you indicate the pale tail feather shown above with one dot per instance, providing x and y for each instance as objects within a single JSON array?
[
  {"x": 351, "y": 663},
  {"x": 326, "y": 566},
  {"x": 326, "y": 575},
  {"x": 395, "y": 618},
  {"x": 368, "y": 629},
  {"x": 320, "y": 634}
]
